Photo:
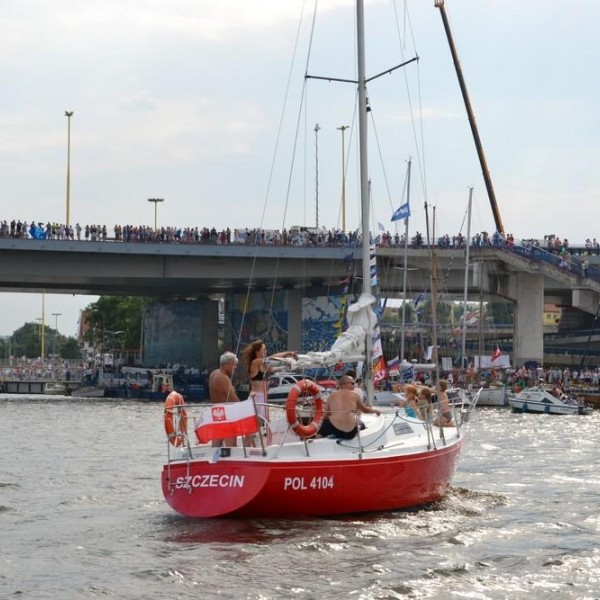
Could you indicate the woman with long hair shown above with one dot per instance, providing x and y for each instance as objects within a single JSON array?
[{"x": 253, "y": 359}]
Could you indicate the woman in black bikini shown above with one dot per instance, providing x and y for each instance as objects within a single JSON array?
[{"x": 253, "y": 358}]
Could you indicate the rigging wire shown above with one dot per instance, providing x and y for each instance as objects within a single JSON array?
[
  {"x": 416, "y": 135},
  {"x": 271, "y": 173}
]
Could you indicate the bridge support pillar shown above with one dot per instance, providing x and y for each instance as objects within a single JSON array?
[
  {"x": 294, "y": 319},
  {"x": 209, "y": 349},
  {"x": 585, "y": 300},
  {"x": 528, "y": 341}
]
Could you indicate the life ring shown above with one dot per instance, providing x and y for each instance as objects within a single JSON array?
[
  {"x": 175, "y": 416},
  {"x": 298, "y": 389}
]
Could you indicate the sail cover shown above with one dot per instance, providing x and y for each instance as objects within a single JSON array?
[{"x": 350, "y": 345}]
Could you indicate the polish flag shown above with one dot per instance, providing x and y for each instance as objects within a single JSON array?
[
  {"x": 220, "y": 421},
  {"x": 496, "y": 354}
]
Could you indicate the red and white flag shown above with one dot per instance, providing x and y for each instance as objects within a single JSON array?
[
  {"x": 220, "y": 421},
  {"x": 496, "y": 354}
]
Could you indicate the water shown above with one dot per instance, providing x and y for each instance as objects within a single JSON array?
[{"x": 82, "y": 516}]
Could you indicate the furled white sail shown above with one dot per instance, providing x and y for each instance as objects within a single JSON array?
[{"x": 350, "y": 345}]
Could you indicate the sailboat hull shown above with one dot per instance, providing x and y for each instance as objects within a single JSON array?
[{"x": 275, "y": 488}]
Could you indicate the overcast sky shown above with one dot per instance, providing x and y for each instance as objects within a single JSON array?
[{"x": 183, "y": 100}]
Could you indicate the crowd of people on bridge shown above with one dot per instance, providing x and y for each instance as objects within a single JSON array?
[
  {"x": 552, "y": 249},
  {"x": 293, "y": 236}
]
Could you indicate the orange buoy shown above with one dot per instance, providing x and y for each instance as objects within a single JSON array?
[
  {"x": 175, "y": 417},
  {"x": 301, "y": 388}
]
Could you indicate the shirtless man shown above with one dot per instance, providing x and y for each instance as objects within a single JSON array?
[
  {"x": 221, "y": 389},
  {"x": 341, "y": 411}
]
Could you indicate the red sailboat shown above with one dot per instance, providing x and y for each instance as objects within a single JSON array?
[{"x": 396, "y": 461}]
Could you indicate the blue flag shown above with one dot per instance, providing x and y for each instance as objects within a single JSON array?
[
  {"x": 408, "y": 374},
  {"x": 403, "y": 212}
]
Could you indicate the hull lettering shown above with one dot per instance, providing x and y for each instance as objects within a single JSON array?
[
  {"x": 314, "y": 483},
  {"x": 209, "y": 481}
]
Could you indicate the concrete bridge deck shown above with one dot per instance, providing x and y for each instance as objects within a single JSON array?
[{"x": 530, "y": 277}]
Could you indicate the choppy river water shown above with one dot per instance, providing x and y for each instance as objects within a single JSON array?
[{"x": 82, "y": 516}]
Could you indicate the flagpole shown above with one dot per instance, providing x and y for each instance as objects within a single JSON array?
[{"x": 405, "y": 275}]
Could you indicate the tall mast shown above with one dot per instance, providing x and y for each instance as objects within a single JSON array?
[
  {"x": 362, "y": 133},
  {"x": 463, "y": 88}
]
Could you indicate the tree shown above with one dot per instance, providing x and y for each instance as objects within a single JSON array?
[
  {"x": 69, "y": 348},
  {"x": 502, "y": 312},
  {"x": 444, "y": 312},
  {"x": 26, "y": 341},
  {"x": 112, "y": 314}
]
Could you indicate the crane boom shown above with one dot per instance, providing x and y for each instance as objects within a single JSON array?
[{"x": 463, "y": 88}]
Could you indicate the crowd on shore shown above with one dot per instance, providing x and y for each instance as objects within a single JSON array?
[
  {"x": 565, "y": 378},
  {"x": 56, "y": 369},
  {"x": 36, "y": 369}
]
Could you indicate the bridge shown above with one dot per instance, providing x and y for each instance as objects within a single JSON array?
[{"x": 530, "y": 277}]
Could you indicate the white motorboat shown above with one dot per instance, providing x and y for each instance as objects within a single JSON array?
[
  {"x": 543, "y": 399},
  {"x": 493, "y": 395},
  {"x": 56, "y": 388}
]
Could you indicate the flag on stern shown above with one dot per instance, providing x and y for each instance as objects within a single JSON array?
[
  {"x": 403, "y": 212},
  {"x": 393, "y": 364},
  {"x": 220, "y": 421}
]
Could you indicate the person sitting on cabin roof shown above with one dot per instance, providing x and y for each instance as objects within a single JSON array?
[{"x": 341, "y": 411}]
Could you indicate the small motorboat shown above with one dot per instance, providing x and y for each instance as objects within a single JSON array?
[
  {"x": 547, "y": 400},
  {"x": 56, "y": 388}
]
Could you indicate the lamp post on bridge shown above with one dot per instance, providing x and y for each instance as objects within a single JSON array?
[
  {"x": 156, "y": 201},
  {"x": 316, "y": 130},
  {"x": 343, "y": 128},
  {"x": 68, "y": 114}
]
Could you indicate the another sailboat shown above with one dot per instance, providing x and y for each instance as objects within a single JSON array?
[{"x": 394, "y": 462}]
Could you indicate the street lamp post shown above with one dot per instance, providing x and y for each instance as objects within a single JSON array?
[
  {"x": 56, "y": 315},
  {"x": 68, "y": 114},
  {"x": 41, "y": 333},
  {"x": 156, "y": 201},
  {"x": 316, "y": 130},
  {"x": 343, "y": 128}
]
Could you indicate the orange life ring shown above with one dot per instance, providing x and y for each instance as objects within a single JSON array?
[
  {"x": 175, "y": 417},
  {"x": 299, "y": 389}
]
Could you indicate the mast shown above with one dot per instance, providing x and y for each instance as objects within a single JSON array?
[
  {"x": 463, "y": 346},
  {"x": 363, "y": 109},
  {"x": 405, "y": 274},
  {"x": 434, "y": 292},
  {"x": 463, "y": 88}
]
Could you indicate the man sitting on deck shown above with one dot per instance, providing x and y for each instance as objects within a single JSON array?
[{"x": 341, "y": 411}]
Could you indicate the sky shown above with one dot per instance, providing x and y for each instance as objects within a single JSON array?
[{"x": 204, "y": 104}]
